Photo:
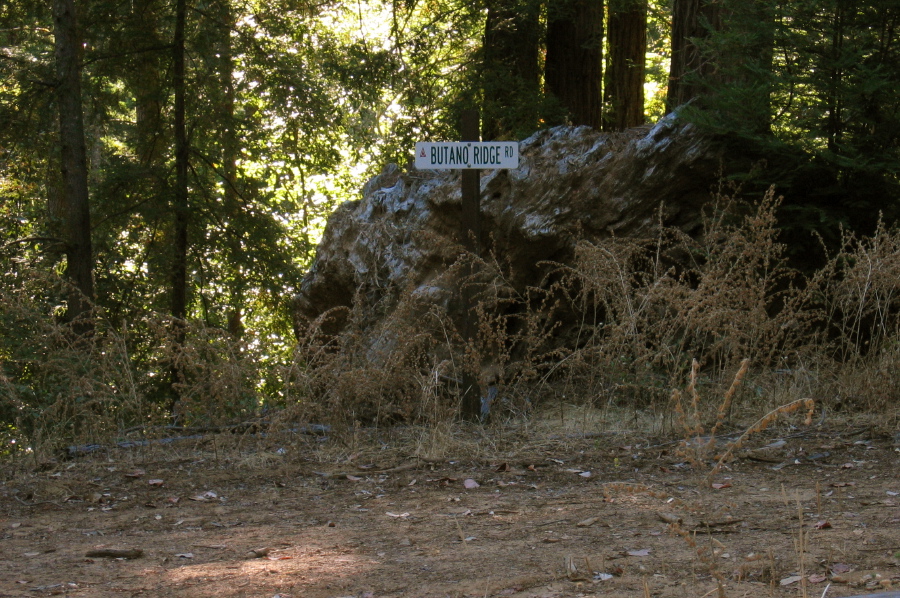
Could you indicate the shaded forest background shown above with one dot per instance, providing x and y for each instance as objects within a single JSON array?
[{"x": 167, "y": 166}]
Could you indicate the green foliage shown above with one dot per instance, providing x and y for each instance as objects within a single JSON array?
[
  {"x": 811, "y": 87},
  {"x": 290, "y": 106}
]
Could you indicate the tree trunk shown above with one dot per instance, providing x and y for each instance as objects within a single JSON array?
[
  {"x": 624, "y": 93},
  {"x": 230, "y": 151},
  {"x": 511, "y": 70},
  {"x": 76, "y": 208},
  {"x": 145, "y": 83},
  {"x": 720, "y": 50},
  {"x": 692, "y": 22},
  {"x": 180, "y": 202},
  {"x": 744, "y": 54},
  {"x": 574, "y": 64},
  {"x": 835, "y": 104},
  {"x": 685, "y": 54}
]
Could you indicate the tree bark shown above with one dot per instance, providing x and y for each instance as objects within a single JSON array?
[
  {"x": 511, "y": 69},
  {"x": 145, "y": 83},
  {"x": 574, "y": 64},
  {"x": 624, "y": 93},
  {"x": 73, "y": 159},
  {"x": 230, "y": 151},
  {"x": 180, "y": 202},
  {"x": 692, "y": 21}
]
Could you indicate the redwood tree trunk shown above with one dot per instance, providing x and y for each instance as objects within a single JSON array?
[
  {"x": 511, "y": 70},
  {"x": 574, "y": 65},
  {"x": 692, "y": 21},
  {"x": 230, "y": 151},
  {"x": 146, "y": 85},
  {"x": 835, "y": 107},
  {"x": 76, "y": 209},
  {"x": 624, "y": 91}
]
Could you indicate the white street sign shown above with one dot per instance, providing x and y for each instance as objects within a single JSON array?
[{"x": 447, "y": 155}]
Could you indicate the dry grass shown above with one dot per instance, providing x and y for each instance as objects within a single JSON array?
[{"x": 614, "y": 332}]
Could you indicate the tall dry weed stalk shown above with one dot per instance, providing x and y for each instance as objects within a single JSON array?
[{"x": 701, "y": 444}]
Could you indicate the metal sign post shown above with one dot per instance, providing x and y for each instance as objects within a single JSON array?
[
  {"x": 470, "y": 156},
  {"x": 471, "y": 237}
]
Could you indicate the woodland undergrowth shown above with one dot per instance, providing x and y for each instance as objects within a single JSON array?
[{"x": 621, "y": 326}]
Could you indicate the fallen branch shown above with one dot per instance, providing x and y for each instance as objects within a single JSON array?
[{"x": 112, "y": 553}]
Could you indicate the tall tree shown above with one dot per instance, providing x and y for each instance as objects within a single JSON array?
[
  {"x": 573, "y": 71},
  {"x": 840, "y": 14},
  {"x": 230, "y": 152},
  {"x": 180, "y": 205},
  {"x": 737, "y": 50},
  {"x": 180, "y": 191},
  {"x": 511, "y": 70},
  {"x": 145, "y": 80},
  {"x": 73, "y": 159},
  {"x": 692, "y": 22},
  {"x": 624, "y": 88}
]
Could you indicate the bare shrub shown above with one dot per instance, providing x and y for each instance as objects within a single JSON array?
[
  {"x": 217, "y": 374},
  {"x": 59, "y": 387},
  {"x": 363, "y": 376},
  {"x": 651, "y": 308},
  {"x": 859, "y": 290}
]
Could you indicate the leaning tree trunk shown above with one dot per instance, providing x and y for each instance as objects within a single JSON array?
[{"x": 76, "y": 209}]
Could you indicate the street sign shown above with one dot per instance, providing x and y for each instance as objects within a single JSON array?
[{"x": 484, "y": 155}]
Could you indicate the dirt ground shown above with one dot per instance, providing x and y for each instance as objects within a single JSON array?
[{"x": 801, "y": 512}]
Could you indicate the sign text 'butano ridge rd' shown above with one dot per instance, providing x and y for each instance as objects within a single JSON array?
[{"x": 486, "y": 155}]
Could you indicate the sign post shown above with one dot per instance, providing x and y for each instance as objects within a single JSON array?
[{"x": 470, "y": 156}]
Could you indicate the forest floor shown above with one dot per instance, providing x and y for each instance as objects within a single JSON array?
[{"x": 534, "y": 513}]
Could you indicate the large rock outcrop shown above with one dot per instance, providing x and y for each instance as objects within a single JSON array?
[{"x": 572, "y": 184}]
